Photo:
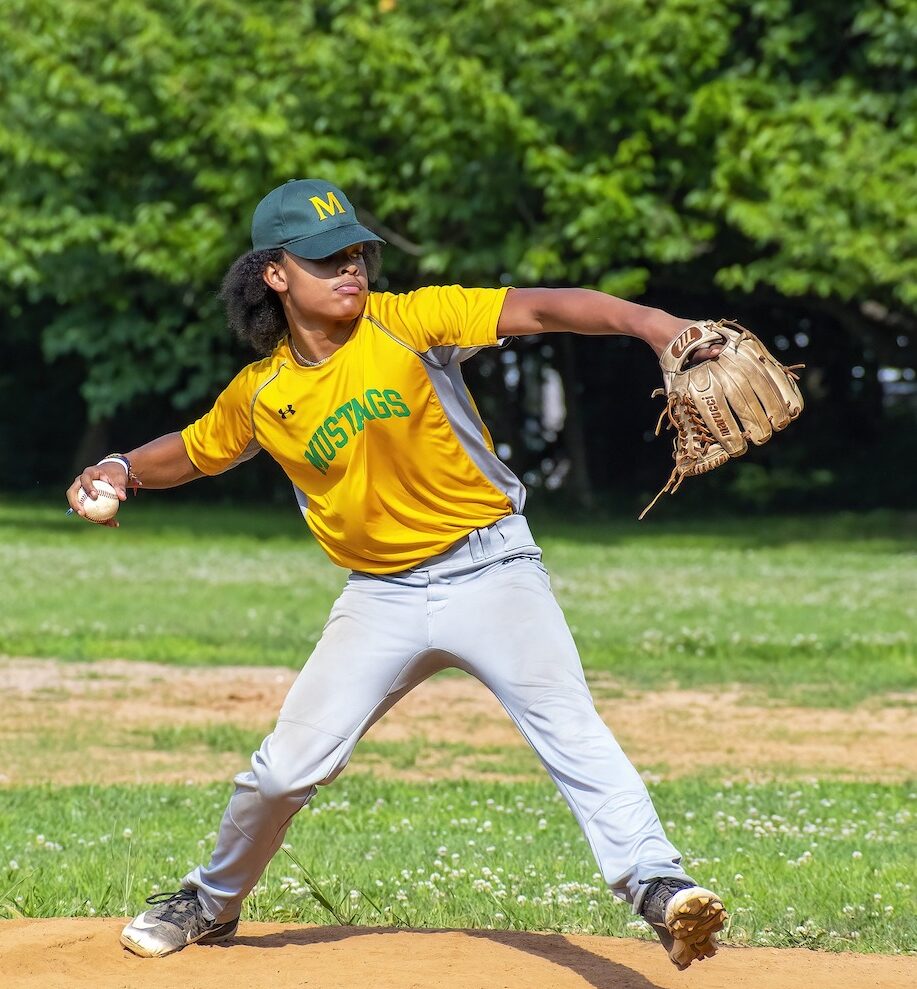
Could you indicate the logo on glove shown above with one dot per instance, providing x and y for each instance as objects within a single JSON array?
[
  {"x": 710, "y": 402},
  {"x": 691, "y": 334}
]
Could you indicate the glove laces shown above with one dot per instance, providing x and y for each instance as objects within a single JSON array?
[{"x": 682, "y": 416}]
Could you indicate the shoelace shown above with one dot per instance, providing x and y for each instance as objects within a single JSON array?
[{"x": 179, "y": 903}]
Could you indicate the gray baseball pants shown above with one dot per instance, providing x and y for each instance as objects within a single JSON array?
[{"x": 484, "y": 606}]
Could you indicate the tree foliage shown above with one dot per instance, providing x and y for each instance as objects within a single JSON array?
[{"x": 763, "y": 148}]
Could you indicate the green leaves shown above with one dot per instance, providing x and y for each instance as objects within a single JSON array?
[{"x": 757, "y": 144}]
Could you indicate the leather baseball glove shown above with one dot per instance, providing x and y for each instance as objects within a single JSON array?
[{"x": 717, "y": 405}]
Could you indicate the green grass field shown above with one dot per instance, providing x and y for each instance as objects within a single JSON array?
[
  {"x": 818, "y": 611},
  {"x": 822, "y": 611},
  {"x": 819, "y": 865}
]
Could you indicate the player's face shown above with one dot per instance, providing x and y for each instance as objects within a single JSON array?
[{"x": 331, "y": 288}]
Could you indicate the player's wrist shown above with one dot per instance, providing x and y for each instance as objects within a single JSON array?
[
  {"x": 131, "y": 478},
  {"x": 659, "y": 329},
  {"x": 116, "y": 458},
  {"x": 666, "y": 328}
]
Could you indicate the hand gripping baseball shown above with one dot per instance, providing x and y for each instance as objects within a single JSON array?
[{"x": 716, "y": 406}]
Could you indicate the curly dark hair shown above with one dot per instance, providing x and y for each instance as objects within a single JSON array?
[{"x": 253, "y": 310}]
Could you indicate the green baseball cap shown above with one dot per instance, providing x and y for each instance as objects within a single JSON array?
[{"x": 309, "y": 218}]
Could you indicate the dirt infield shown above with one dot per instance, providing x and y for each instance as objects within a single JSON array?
[
  {"x": 85, "y": 954},
  {"x": 98, "y": 723}
]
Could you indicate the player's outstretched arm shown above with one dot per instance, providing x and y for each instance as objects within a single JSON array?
[
  {"x": 161, "y": 463},
  {"x": 579, "y": 310}
]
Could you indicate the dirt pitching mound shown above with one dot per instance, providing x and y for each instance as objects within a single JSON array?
[{"x": 75, "y": 953}]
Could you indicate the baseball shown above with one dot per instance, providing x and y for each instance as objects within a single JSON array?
[{"x": 102, "y": 508}]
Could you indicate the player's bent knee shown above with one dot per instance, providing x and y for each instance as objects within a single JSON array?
[
  {"x": 289, "y": 765},
  {"x": 284, "y": 788}
]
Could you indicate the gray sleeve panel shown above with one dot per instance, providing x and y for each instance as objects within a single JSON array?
[
  {"x": 436, "y": 356},
  {"x": 461, "y": 354},
  {"x": 254, "y": 447},
  {"x": 450, "y": 389},
  {"x": 302, "y": 500}
]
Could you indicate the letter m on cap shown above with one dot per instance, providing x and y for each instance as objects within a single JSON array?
[{"x": 326, "y": 207}]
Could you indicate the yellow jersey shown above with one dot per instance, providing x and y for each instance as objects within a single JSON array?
[{"x": 389, "y": 459}]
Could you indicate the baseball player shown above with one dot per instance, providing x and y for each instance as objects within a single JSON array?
[{"x": 361, "y": 401}]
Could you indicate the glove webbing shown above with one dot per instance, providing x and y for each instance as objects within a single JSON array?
[{"x": 679, "y": 473}]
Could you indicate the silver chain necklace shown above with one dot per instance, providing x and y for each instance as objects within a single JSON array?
[{"x": 303, "y": 360}]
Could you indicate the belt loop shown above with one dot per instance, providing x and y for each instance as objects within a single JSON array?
[
  {"x": 475, "y": 544},
  {"x": 487, "y": 542}
]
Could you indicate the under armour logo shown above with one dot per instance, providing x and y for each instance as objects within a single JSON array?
[{"x": 288, "y": 411}]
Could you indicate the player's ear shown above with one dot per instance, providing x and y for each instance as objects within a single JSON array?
[{"x": 274, "y": 276}]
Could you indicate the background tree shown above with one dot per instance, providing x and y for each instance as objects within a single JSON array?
[{"x": 739, "y": 157}]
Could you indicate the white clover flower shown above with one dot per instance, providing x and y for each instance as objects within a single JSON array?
[
  {"x": 856, "y": 855},
  {"x": 127, "y": 833}
]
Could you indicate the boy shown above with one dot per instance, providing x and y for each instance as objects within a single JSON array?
[{"x": 361, "y": 401}]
